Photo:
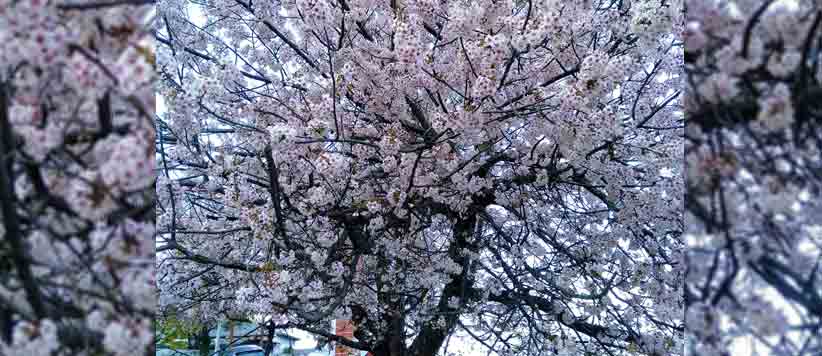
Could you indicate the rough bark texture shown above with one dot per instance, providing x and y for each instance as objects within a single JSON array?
[
  {"x": 269, "y": 338},
  {"x": 431, "y": 338},
  {"x": 203, "y": 341}
]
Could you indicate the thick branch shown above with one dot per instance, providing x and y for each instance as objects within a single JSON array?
[{"x": 14, "y": 233}]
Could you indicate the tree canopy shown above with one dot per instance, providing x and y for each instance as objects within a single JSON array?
[{"x": 506, "y": 170}]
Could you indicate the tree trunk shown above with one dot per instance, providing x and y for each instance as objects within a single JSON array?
[
  {"x": 431, "y": 337},
  {"x": 396, "y": 339},
  {"x": 203, "y": 341},
  {"x": 269, "y": 339},
  {"x": 6, "y": 325}
]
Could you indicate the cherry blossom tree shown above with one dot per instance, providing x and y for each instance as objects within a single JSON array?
[
  {"x": 506, "y": 170},
  {"x": 76, "y": 178},
  {"x": 753, "y": 184}
]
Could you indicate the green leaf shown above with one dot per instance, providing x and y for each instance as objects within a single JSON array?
[{"x": 173, "y": 331}]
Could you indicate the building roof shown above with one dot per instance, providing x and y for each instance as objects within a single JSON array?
[
  {"x": 246, "y": 332},
  {"x": 245, "y": 348},
  {"x": 309, "y": 352}
]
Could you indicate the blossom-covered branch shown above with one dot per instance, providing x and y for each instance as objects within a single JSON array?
[
  {"x": 382, "y": 161},
  {"x": 753, "y": 163},
  {"x": 76, "y": 179}
]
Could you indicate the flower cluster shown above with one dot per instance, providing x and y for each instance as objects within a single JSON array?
[
  {"x": 408, "y": 45},
  {"x": 76, "y": 204},
  {"x": 751, "y": 149},
  {"x": 392, "y": 161}
]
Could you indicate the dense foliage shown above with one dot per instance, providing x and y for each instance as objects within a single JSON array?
[
  {"x": 76, "y": 179},
  {"x": 506, "y": 170},
  {"x": 753, "y": 184}
]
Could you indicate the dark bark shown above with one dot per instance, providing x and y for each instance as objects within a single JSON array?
[
  {"x": 6, "y": 324},
  {"x": 8, "y": 199},
  {"x": 269, "y": 339},
  {"x": 203, "y": 341},
  {"x": 431, "y": 338}
]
